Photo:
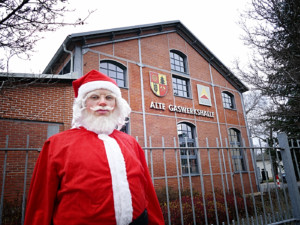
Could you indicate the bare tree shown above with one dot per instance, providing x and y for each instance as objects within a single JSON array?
[{"x": 23, "y": 21}]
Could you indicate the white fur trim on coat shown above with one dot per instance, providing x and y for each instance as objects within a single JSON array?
[
  {"x": 121, "y": 192},
  {"x": 93, "y": 85}
]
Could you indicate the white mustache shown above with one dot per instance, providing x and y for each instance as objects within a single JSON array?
[{"x": 102, "y": 108}]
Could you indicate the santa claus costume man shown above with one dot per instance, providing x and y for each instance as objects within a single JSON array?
[{"x": 93, "y": 173}]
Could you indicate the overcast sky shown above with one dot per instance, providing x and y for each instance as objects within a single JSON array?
[{"x": 213, "y": 22}]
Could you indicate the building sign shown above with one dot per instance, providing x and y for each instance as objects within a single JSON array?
[
  {"x": 158, "y": 83},
  {"x": 181, "y": 109},
  {"x": 204, "y": 95}
]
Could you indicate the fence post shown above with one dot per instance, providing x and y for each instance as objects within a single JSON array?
[{"x": 290, "y": 175}]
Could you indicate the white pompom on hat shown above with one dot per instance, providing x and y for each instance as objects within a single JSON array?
[{"x": 94, "y": 80}]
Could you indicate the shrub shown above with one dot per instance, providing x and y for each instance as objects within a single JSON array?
[
  {"x": 186, "y": 201},
  {"x": 12, "y": 212}
]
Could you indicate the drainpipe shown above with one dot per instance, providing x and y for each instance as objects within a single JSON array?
[
  {"x": 250, "y": 144},
  {"x": 246, "y": 122},
  {"x": 216, "y": 106},
  {"x": 71, "y": 54},
  {"x": 219, "y": 128},
  {"x": 140, "y": 64}
]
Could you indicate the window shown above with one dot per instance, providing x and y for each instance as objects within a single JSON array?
[
  {"x": 178, "y": 64},
  {"x": 66, "y": 69},
  {"x": 115, "y": 71},
  {"x": 178, "y": 61},
  {"x": 181, "y": 86},
  {"x": 186, "y": 138},
  {"x": 52, "y": 129},
  {"x": 237, "y": 154},
  {"x": 228, "y": 100}
]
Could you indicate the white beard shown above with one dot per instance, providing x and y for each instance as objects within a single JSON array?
[
  {"x": 99, "y": 124},
  {"x": 102, "y": 124}
]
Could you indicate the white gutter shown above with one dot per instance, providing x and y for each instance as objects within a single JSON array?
[
  {"x": 216, "y": 106},
  {"x": 219, "y": 128},
  {"x": 142, "y": 93},
  {"x": 246, "y": 122},
  {"x": 71, "y": 53}
]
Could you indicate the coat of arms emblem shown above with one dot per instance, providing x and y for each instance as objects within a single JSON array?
[{"x": 158, "y": 83}]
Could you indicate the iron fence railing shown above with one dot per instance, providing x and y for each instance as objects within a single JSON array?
[
  {"x": 244, "y": 199},
  {"x": 5, "y": 154},
  {"x": 219, "y": 191}
]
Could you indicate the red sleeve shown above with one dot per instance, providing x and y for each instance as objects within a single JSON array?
[
  {"x": 43, "y": 189},
  {"x": 155, "y": 215}
]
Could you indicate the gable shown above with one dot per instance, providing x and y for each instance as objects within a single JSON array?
[{"x": 104, "y": 37}]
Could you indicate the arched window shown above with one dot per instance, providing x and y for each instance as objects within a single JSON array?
[
  {"x": 238, "y": 153},
  {"x": 186, "y": 138},
  {"x": 115, "y": 71},
  {"x": 178, "y": 61},
  {"x": 228, "y": 100}
]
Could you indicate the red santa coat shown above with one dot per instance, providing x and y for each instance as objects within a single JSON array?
[{"x": 73, "y": 183}]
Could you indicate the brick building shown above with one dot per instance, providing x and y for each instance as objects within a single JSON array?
[{"x": 175, "y": 86}]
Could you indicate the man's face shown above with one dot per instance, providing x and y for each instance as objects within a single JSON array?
[{"x": 100, "y": 102}]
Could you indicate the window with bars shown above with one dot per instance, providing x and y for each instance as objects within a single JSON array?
[
  {"x": 115, "y": 71},
  {"x": 189, "y": 161},
  {"x": 237, "y": 153},
  {"x": 228, "y": 100},
  {"x": 181, "y": 86},
  {"x": 178, "y": 61}
]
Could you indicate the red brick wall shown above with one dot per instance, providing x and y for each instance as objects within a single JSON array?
[
  {"x": 162, "y": 123},
  {"x": 26, "y": 113},
  {"x": 47, "y": 102},
  {"x": 54, "y": 103}
]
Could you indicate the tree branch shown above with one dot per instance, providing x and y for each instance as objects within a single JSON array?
[{"x": 14, "y": 11}]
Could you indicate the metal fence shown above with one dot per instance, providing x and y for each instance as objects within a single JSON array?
[
  {"x": 220, "y": 193},
  {"x": 210, "y": 185},
  {"x": 16, "y": 211}
]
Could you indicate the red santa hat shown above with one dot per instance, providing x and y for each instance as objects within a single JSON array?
[{"x": 94, "y": 80}]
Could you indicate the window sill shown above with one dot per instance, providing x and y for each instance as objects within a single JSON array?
[
  {"x": 186, "y": 75},
  {"x": 183, "y": 97}
]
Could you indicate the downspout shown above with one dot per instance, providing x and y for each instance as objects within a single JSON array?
[
  {"x": 219, "y": 128},
  {"x": 140, "y": 64},
  {"x": 246, "y": 122},
  {"x": 253, "y": 158},
  {"x": 71, "y": 54},
  {"x": 215, "y": 102}
]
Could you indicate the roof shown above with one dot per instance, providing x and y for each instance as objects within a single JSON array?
[{"x": 140, "y": 31}]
